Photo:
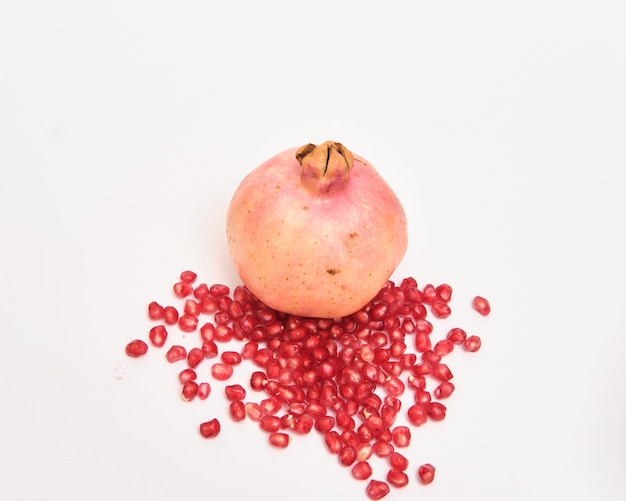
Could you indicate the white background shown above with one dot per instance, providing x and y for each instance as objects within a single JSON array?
[{"x": 125, "y": 127}]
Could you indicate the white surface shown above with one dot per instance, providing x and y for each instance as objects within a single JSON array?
[{"x": 124, "y": 129}]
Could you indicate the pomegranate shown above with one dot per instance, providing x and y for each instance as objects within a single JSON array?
[{"x": 315, "y": 231}]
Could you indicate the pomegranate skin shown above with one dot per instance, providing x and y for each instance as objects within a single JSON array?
[{"x": 310, "y": 251}]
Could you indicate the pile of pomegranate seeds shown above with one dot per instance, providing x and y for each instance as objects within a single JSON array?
[{"x": 342, "y": 377}]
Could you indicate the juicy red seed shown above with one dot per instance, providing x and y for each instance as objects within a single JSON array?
[
  {"x": 382, "y": 449},
  {"x": 182, "y": 289},
  {"x": 209, "y": 349},
  {"x": 170, "y": 315},
  {"x": 221, "y": 372},
  {"x": 417, "y": 415},
  {"x": 155, "y": 311},
  {"x": 423, "y": 326},
  {"x": 324, "y": 423},
  {"x": 192, "y": 308},
  {"x": 237, "y": 410},
  {"x": 204, "y": 390},
  {"x": 421, "y": 369},
  {"x": 217, "y": 290},
  {"x": 394, "y": 386},
  {"x": 258, "y": 380},
  {"x": 207, "y": 332},
  {"x": 401, "y": 436},
  {"x": 444, "y": 390},
  {"x": 208, "y": 305},
  {"x": 456, "y": 335},
  {"x": 280, "y": 440},
  {"x": 158, "y": 335},
  {"x": 187, "y": 375},
  {"x": 231, "y": 358},
  {"x": 263, "y": 357},
  {"x": 429, "y": 293},
  {"x": 188, "y": 277},
  {"x": 421, "y": 396},
  {"x": 364, "y": 452},
  {"x": 440, "y": 309},
  {"x": 195, "y": 356},
  {"x": 441, "y": 372},
  {"x": 362, "y": 470},
  {"x": 333, "y": 441},
  {"x": 136, "y": 348},
  {"x": 347, "y": 455},
  {"x": 443, "y": 347},
  {"x": 426, "y": 473},
  {"x": 397, "y": 478},
  {"x": 235, "y": 392},
  {"x": 377, "y": 489},
  {"x": 422, "y": 342},
  {"x": 398, "y": 462},
  {"x": 248, "y": 350},
  {"x": 176, "y": 353},
  {"x": 271, "y": 405},
  {"x": 201, "y": 291},
  {"x": 270, "y": 423},
  {"x": 436, "y": 411},
  {"x": 481, "y": 305},
  {"x": 254, "y": 411},
  {"x": 472, "y": 343},
  {"x": 223, "y": 333},
  {"x": 189, "y": 391},
  {"x": 210, "y": 428},
  {"x": 416, "y": 382},
  {"x": 303, "y": 424},
  {"x": 444, "y": 291}
]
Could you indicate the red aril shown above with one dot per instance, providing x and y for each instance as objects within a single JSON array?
[
  {"x": 401, "y": 436},
  {"x": 210, "y": 429},
  {"x": 204, "y": 390},
  {"x": 170, "y": 315},
  {"x": 362, "y": 470},
  {"x": 235, "y": 392},
  {"x": 155, "y": 311},
  {"x": 280, "y": 440},
  {"x": 472, "y": 343},
  {"x": 397, "y": 478},
  {"x": 158, "y": 336},
  {"x": 377, "y": 489},
  {"x": 176, "y": 353},
  {"x": 136, "y": 348},
  {"x": 221, "y": 372},
  {"x": 426, "y": 473},
  {"x": 481, "y": 305},
  {"x": 237, "y": 410},
  {"x": 398, "y": 461}
]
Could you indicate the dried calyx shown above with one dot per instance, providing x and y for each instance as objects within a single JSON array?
[{"x": 325, "y": 166}]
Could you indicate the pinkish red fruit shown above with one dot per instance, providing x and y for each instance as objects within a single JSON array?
[
  {"x": 472, "y": 343},
  {"x": 280, "y": 440},
  {"x": 314, "y": 191},
  {"x": 481, "y": 305},
  {"x": 426, "y": 473},
  {"x": 221, "y": 372},
  {"x": 362, "y": 470},
  {"x": 158, "y": 336},
  {"x": 176, "y": 353},
  {"x": 397, "y": 478}
]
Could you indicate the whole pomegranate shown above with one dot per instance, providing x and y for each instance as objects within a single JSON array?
[{"x": 315, "y": 231}]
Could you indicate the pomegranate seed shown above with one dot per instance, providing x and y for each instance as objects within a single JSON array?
[
  {"x": 303, "y": 424},
  {"x": 456, "y": 335},
  {"x": 444, "y": 291},
  {"x": 426, "y": 473},
  {"x": 217, "y": 290},
  {"x": 170, "y": 315},
  {"x": 209, "y": 349},
  {"x": 254, "y": 411},
  {"x": 377, "y": 489},
  {"x": 333, "y": 441},
  {"x": 210, "y": 428},
  {"x": 258, "y": 380},
  {"x": 190, "y": 390},
  {"x": 382, "y": 449},
  {"x": 347, "y": 455},
  {"x": 155, "y": 311},
  {"x": 188, "y": 277},
  {"x": 362, "y": 470},
  {"x": 270, "y": 405},
  {"x": 270, "y": 423},
  {"x": 280, "y": 440},
  {"x": 324, "y": 423},
  {"x": 231, "y": 358},
  {"x": 401, "y": 436},
  {"x": 443, "y": 347},
  {"x": 208, "y": 305},
  {"x": 481, "y": 305},
  {"x": 204, "y": 390},
  {"x": 223, "y": 333},
  {"x": 472, "y": 343},
  {"x": 364, "y": 452},
  {"x": 176, "y": 353},
  {"x": 235, "y": 392},
  {"x": 397, "y": 478},
  {"x": 394, "y": 386},
  {"x": 441, "y": 372},
  {"x": 436, "y": 411},
  {"x": 422, "y": 342},
  {"x": 182, "y": 289},
  {"x": 444, "y": 390},
  {"x": 158, "y": 336},
  {"x": 398, "y": 462},
  {"x": 440, "y": 309},
  {"x": 429, "y": 293},
  {"x": 237, "y": 410},
  {"x": 248, "y": 350},
  {"x": 136, "y": 348},
  {"x": 195, "y": 356},
  {"x": 201, "y": 291},
  {"x": 221, "y": 372},
  {"x": 187, "y": 375},
  {"x": 417, "y": 415}
]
